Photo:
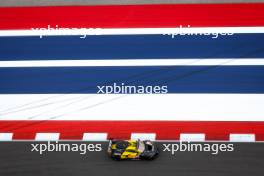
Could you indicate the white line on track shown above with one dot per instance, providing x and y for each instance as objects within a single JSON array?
[
  {"x": 56, "y": 31},
  {"x": 186, "y": 107},
  {"x": 133, "y": 62}
]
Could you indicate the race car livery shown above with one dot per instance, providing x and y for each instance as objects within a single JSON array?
[{"x": 132, "y": 149}]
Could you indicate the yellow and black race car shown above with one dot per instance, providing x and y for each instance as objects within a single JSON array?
[{"x": 132, "y": 150}]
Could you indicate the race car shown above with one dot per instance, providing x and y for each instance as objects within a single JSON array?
[{"x": 132, "y": 150}]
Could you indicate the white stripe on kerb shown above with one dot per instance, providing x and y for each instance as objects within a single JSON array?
[
  {"x": 242, "y": 138},
  {"x": 6, "y": 136},
  {"x": 192, "y": 137},
  {"x": 143, "y": 136},
  {"x": 47, "y": 136},
  {"x": 94, "y": 136},
  {"x": 131, "y": 31},
  {"x": 133, "y": 62}
]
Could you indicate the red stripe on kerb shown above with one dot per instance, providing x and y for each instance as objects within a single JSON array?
[
  {"x": 134, "y": 16},
  {"x": 165, "y": 130}
]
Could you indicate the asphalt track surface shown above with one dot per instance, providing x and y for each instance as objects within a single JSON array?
[
  {"x": 6, "y": 3},
  {"x": 17, "y": 159}
]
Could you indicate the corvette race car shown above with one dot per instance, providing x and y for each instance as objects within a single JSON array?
[{"x": 132, "y": 150}]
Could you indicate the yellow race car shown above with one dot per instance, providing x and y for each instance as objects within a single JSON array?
[{"x": 132, "y": 150}]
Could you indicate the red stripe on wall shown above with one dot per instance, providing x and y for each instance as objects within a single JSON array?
[
  {"x": 165, "y": 130},
  {"x": 132, "y": 16}
]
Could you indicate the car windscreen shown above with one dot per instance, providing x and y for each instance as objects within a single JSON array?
[{"x": 140, "y": 146}]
